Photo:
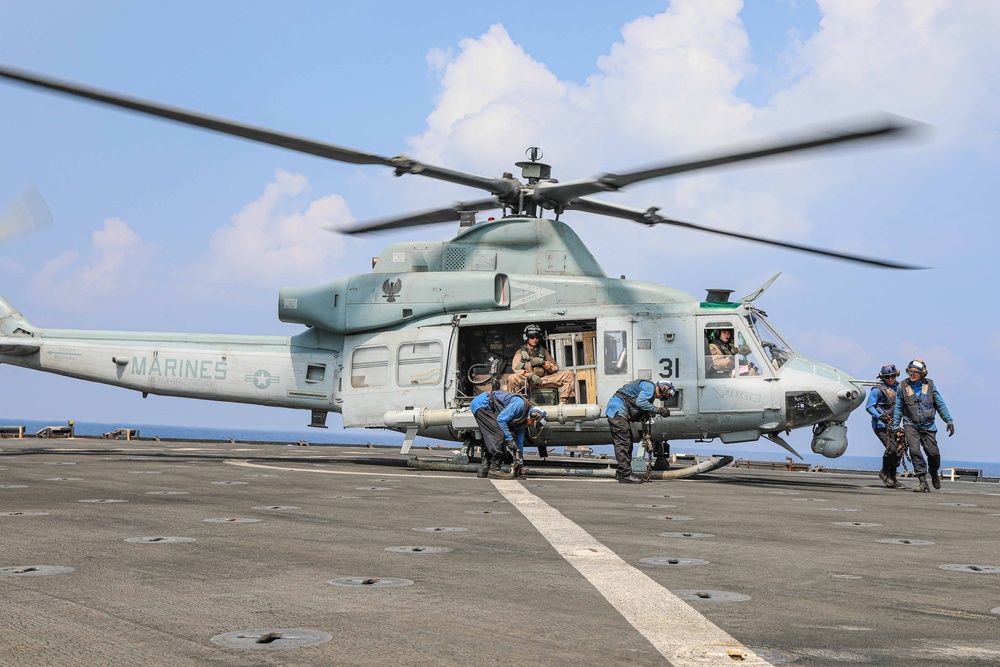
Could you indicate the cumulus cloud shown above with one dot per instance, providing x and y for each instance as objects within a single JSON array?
[
  {"x": 281, "y": 237},
  {"x": 113, "y": 265},
  {"x": 929, "y": 60},
  {"x": 670, "y": 87}
]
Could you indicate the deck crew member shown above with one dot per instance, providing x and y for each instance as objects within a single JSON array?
[
  {"x": 881, "y": 405},
  {"x": 502, "y": 418},
  {"x": 633, "y": 403},
  {"x": 533, "y": 365},
  {"x": 917, "y": 401}
]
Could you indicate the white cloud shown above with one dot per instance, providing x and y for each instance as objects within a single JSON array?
[
  {"x": 931, "y": 60},
  {"x": 281, "y": 237},
  {"x": 669, "y": 88},
  {"x": 114, "y": 265}
]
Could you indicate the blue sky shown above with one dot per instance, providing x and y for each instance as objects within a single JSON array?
[{"x": 161, "y": 227}]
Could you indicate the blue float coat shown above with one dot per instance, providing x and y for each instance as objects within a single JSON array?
[
  {"x": 939, "y": 404},
  {"x": 872, "y": 406},
  {"x": 513, "y": 410},
  {"x": 641, "y": 390}
]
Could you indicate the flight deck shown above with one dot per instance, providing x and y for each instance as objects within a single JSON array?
[{"x": 195, "y": 553}]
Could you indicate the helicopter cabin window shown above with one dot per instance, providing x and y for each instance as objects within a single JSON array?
[
  {"x": 419, "y": 363},
  {"x": 370, "y": 367},
  {"x": 615, "y": 352},
  {"x": 727, "y": 354}
]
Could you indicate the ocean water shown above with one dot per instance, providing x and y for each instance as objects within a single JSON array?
[{"x": 384, "y": 438}]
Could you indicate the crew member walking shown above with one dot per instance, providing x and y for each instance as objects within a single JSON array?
[
  {"x": 917, "y": 401},
  {"x": 881, "y": 405},
  {"x": 633, "y": 403}
]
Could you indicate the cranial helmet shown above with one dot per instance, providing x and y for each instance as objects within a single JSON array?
[
  {"x": 538, "y": 416},
  {"x": 918, "y": 366},
  {"x": 666, "y": 389},
  {"x": 533, "y": 330},
  {"x": 889, "y": 371}
]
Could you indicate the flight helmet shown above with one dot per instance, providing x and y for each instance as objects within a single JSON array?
[
  {"x": 666, "y": 389},
  {"x": 533, "y": 330},
  {"x": 889, "y": 371},
  {"x": 917, "y": 365},
  {"x": 538, "y": 416}
]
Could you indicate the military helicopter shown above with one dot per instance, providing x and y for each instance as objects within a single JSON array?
[{"x": 408, "y": 345}]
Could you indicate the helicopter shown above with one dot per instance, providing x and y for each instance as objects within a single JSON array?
[{"x": 407, "y": 346}]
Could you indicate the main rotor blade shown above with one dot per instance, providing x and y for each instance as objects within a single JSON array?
[
  {"x": 402, "y": 164},
  {"x": 449, "y": 214},
  {"x": 207, "y": 122},
  {"x": 564, "y": 192},
  {"x": 651, "y": 217}
]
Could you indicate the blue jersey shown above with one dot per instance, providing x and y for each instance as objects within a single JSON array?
[
  {"x": 641, "y": 391},
  {"x": 511, "y": 410}
]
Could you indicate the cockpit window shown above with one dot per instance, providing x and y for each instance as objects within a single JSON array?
[{"x": 777, "y": 350}]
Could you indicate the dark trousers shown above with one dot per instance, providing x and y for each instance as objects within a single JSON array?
[
  {"x": 493, "y": 438},
  {"x": 890, "y": 457},
  {"x": 917, "y": 438},
  {"x": 621, "y": 435}
]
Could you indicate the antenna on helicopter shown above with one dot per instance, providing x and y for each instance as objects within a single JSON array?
[{"x": 533, "y": 171}]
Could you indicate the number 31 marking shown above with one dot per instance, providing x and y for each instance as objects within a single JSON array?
[{"x": 671, "y": 368}]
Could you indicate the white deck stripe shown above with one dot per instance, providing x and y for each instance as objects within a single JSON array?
[
  {"x": 679, "y": 633},
  {"x": 247, "y": 464}
]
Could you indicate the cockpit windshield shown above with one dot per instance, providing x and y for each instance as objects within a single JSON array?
[{"x": 777, "y": 350}]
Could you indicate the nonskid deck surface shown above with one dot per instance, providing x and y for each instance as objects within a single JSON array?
[{"x": 734, "y": 567}]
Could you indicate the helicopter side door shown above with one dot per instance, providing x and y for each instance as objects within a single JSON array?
[
  {"x": 396, "y": 370},
  {"x": 731, "y": 384},
  {"x": 616, "y": 350}
]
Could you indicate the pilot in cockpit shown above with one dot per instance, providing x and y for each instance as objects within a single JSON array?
[
  {"x": 722, "y": 351},
  {"x": 724, "y": 355}
]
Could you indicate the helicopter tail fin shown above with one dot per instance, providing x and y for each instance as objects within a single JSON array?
[{"x": 17, "y": 333}]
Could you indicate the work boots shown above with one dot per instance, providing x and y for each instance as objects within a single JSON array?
[
  {"x": 922, "y": 486},
  {"x": 886, "y": 480},
  {"x": 484, "y": 466},
  {"x": 495, "y": 463},
  {"x": 935, "y": 480}
]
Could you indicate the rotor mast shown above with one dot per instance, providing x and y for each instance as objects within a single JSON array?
[{"x": 533, "y": 171}]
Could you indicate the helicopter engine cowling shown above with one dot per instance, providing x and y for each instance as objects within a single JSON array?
[
  {"x": 830, "y": 439},
  {"x": 378, "y": 300}
]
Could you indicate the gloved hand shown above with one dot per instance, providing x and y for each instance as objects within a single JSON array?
[
  {"x": 511, "y": 447},
  {"x": 537, "y": 361},
  {"x": 887, "y": 418},
  {"x": 663, "y": 411},
  {"x": 951, "y": 429},
  {"x": 534, "y": 380}
]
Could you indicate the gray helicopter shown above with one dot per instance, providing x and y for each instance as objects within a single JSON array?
[{"x": 407, "y": 346}]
